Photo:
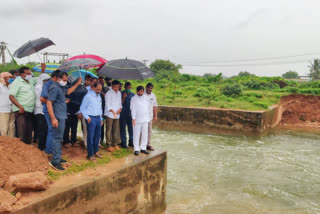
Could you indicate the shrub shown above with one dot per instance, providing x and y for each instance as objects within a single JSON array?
[
  {"x": 293, "y": 90},
  {"x": 178, "y": 92},
  {"x": 191, "y": 88},
  {"x": 315, "y": 91},
  {"x": 313, "y": 84},
  {"x": 231, "y": 90},
  {"x": 252, "y": 94}
]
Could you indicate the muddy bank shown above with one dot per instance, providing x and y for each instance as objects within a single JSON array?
[
  {"x": 300, "y": 112},
  {"x": 17, "y": 157}
]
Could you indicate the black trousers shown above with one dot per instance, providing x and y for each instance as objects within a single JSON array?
[
  {"x": 71, "y": 123},
  {"x": 25, "y": 126},
  {"x": 41, "y": 130}
]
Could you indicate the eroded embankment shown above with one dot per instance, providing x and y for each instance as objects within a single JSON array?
[{"x": 300, "y": 112}]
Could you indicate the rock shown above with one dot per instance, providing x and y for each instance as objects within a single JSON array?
[
  {"x": 6, "y": 201},
  {"x": 18, "y": 195},
  {"x": 27, "y": 182}
]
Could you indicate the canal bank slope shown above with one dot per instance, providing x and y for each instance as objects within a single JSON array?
[
  {"x": 293, "y": 112},
  {"x": 127, "y": 185}
]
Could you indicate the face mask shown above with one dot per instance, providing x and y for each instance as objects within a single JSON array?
[
  {"x": 28, "y": 77},
  {"x": 128, "y": 91},
  {"x": 11, "y": 80},
  {"x": 62, "y": 83}
]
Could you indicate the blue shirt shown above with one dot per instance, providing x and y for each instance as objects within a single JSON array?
[
  {"x": 56, "y": 94},
  {"x": 44, "y": 94},
  {"x": 91, "y": 105},
  {"x": 126, "y": 105}
]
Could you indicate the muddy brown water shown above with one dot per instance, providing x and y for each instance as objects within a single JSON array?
[{"x": 279, "y": 173}]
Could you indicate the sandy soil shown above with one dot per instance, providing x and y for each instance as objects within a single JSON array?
[
  {"x": 301, "y": 112},
  {"x": 17, "y": 157}
]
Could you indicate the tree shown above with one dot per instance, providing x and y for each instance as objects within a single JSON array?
[
  {"x": 314, "y": 68},
  {"x": 245, "y": 74},
  {"x": 160, "y": 65},
  {"x": 290, "y": 75}
]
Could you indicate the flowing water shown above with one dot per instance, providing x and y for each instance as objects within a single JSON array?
[{"x": 207, "y": 174}]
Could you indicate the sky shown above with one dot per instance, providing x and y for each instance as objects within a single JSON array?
[{"x": 205, "y": 36}]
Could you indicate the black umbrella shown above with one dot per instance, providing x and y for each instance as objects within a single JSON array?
[
  {"x": 125, "y": 69},
  {"x": 32, "y": 46}
]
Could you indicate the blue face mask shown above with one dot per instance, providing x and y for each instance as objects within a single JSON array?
[{"x": 11, "y": 80}]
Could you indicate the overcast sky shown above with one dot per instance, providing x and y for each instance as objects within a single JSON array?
[{"x": 186, "y": 32}]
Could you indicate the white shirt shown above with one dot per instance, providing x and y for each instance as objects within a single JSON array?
[
  {"x": 39, "y": 106},
  {"x": 5, "y": 103},
  {"x": 113, "y": 101},
  {"x": 152, "y": 100},
  {"x": 139, "y": 109}
]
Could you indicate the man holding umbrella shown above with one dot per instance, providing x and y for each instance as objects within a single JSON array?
[
  {"x": 57, "y": 109},
  {"x": 44, "y": 99}
]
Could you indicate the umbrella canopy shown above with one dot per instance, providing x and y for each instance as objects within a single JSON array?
[
  {"x": 79, "y": 63},
  {"x": 32, "y": 46},
  {"x": 125, "y": 69},
  {"x": 77, "y": 95},
  {"x": 90, "y": 56},
  {"x": 50, "y": 67},
  {"x": 83, "y": 73}
]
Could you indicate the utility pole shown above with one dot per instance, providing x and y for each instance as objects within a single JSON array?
[
  {"x": 145, "y": 61},
  {"x": 3, "y": 47}
]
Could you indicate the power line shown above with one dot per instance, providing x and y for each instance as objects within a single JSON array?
[
  {"x": 258, "y": 59},
  {"x": 256, "y": 64}
]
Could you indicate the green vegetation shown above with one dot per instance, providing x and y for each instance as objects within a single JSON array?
[
  {"x": 290, "y": 75},
  {"x": 80, "y": 166},
  {"x": 244, "y": 91}
]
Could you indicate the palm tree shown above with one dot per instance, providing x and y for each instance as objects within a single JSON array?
[{"x": 314, "y": 68}]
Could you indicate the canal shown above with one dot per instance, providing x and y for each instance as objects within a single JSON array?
[{"x": 279, "y": 173}]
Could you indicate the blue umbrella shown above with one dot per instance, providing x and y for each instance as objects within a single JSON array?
[
  {"x": 50, "y": 67},
  {"x": 83, "y": 73}
]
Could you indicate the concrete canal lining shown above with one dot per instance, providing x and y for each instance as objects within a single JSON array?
[
  {"x": 224, "y": 121},
  {"x": 134, "y": 184}
]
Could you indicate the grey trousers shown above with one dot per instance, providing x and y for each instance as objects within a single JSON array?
[{"x": 149, "y": 133}]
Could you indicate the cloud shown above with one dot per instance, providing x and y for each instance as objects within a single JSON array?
[{"x": 16, "y": 9}]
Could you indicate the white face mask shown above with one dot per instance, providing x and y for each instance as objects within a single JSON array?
[
  {"x": 28, "y": 77},
  {"x": 62, "y": 83}
]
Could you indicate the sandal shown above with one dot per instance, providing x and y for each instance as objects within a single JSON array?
[
  {"x": 76, "y": 144},
  {"x": 68, "y": 145},
  {"x": 110, "y": 149},
  {"x": 92, "y": 159},
  {"x": 116, "y": 148},
  {"x": 98, "y": 155}
]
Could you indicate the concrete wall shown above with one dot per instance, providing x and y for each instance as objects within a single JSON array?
[
  {"x": 139, "y": 187},
  {"x": 224, "y": 121}
]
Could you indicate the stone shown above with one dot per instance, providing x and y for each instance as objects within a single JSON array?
[
  {"x": 18, "y": 195},
  {"x": 27, "y": 182},
  {"x": 6, "y": 201}
]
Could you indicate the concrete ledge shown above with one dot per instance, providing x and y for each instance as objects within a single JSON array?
[
  {"x": 128, "y": 185},
  {"x": 224, "y": 121}
]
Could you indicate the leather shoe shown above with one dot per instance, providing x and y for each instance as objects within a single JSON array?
[
  {"x": 136, "y": 153},
  {"x": 150, "y": 148},
  {"x": 145, "y": 152}
]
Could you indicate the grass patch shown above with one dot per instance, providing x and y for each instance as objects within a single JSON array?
[
  {"x": 121, "y": 153},
  {"x": 85, "y": 164}
]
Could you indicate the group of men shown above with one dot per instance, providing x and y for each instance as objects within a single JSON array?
[{"x": 45, "y": 107}]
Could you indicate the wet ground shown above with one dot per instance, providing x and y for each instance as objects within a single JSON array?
[{"x": 279, "y": 173}]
